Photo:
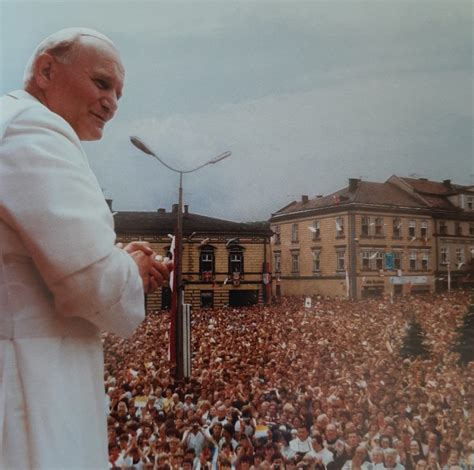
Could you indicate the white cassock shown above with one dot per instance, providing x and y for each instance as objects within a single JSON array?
[{"x": 62, "y": 280}]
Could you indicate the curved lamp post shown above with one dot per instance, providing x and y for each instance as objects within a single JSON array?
[{"x": 176, "y": 333}]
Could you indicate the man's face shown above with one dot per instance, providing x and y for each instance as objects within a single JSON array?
[
  {"x": 331, "y": 433},
  {"x": 390, "y": 460},
  {"x": 302, "y": 433},
  {"x": 86, "y": 90},
  {"x": 352, "y": 439}
]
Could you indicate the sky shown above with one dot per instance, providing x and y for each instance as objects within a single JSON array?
[{"x": 305, "y": 94}]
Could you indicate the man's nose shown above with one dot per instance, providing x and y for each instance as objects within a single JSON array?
[{"x": 110, "y": 105}]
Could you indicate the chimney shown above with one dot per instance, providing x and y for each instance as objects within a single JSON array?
[
  {"x": 161, "y": 210},
  {"x": 109, "y": 203},
  {"x": 174, "y": 208},
  {"x": 304, "y": 198},
  {"x": 353, "y": 184},
  {"x": 319, "y": 196},
  {"x": 186, "y": 209},
  {"x": 447, "y": 183}
]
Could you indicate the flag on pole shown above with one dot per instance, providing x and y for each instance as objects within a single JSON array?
[
  {"x": 172, "y": 250},
  {"x": 347, "y": 283}
]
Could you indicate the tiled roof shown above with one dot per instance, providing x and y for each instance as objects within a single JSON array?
[
  {"x": 424, "y": 186},
  {"x": 163, "y": 223},
  {"x": 441, "y": 188},
  {"x": 385, "y": 194},
  {"x": 436, "y": 193}
]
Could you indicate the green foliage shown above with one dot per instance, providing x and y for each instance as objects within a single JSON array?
[{"x": 414, "y": 342}]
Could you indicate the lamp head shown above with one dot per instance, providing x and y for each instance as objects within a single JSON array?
[
  {"x": 139, "y": 144},
  {"x": 220, "y": 157}
]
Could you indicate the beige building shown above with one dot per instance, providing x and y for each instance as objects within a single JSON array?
[
  {"x": 367, "y": 239},
  {"x": 452, "y": 210},
  {"x": 224, "y": 262}
]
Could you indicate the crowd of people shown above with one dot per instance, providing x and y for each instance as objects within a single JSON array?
[{"x": 284, "y": 386}]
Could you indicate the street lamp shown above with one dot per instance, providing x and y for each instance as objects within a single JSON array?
[{"x": 176, "y": 333}]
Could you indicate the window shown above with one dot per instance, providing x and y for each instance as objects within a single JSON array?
[
  {"x": 444, "y": 255},
  {"x": 206, "y": 263},
  {"x": 316, "y": 230},
  {"x": 294, "y": 232},
  {"x": 397, "y": 228},
  {"x": 379, "y": 260},
  {"x": 365, "y": 224},
  {"x": 207, "y": 298},
  {"x": 424, "y": 229},
  {"x": 397, "y": 260},
  {"x": 295, "y": 262},
  {"x": 425, "y": 257},
  {"x": 341, "y": 261},
  {"x": 471, "y": 251},
  {"x": 458, "y": 229},
  {"x": 277, "y": 262},
  {"x": 443, "y": 228},
  {"x": 471, "y": 229},
  {"x": 413, "y": 261},
  {"x": 378, "y": 226},
  {"x": 277, "y": 235},
  {"x": 316, "y": 260},
  {"x": 470, "y": 202},
  {"x": 236, "y": 261},
  {"x": 459, "y": 255},
  {"x": 412, "y": 228},
  {"x": 339, "y": 227},
  {"x": 366, "y": 260}
]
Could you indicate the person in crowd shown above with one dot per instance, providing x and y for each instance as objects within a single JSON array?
[
  {"x": 360, "y": 460},
  {"x": 319, "y": 452},
  {"x": 311, "y": 358},
  {"x": 301, "y": 444}
]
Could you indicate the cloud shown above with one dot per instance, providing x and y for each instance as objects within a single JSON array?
[
  {"x": 304, "y": 143},
  {"x": 304, "y": 94}
]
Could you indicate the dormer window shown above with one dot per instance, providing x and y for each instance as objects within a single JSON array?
[{"x": 470, "y": 203}]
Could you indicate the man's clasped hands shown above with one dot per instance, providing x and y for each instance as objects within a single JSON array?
[{"x": 154, "y": 271}]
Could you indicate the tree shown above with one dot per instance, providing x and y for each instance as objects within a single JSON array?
[
  {"x": 464, "y": 343},
  {"x": 414, "y": 342}
]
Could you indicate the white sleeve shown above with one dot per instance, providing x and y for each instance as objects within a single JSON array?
[{"x": 52, "y": 200}]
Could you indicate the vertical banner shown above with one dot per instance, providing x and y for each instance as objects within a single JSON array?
[
  {"x": 389, "y": 261},
  {"x": 186, "y": 341},
  {"x": 174, "y": 302}
]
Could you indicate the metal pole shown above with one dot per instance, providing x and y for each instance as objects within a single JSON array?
[
  {"x": 449, "y": 276},
  {"x": 179, "y": 284},
  {"x": 176, "y": 344}
]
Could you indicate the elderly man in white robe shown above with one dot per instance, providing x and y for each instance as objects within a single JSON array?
[{"x": 62, "y": 278}]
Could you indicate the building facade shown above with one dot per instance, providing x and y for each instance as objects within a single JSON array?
[
  {"x": 367, "y": 239},
  {"x": 224, "y": 263},
  {"x": 452, "y": 210}
]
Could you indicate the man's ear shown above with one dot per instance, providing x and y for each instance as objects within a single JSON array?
[{"x": 45, "y": 69}]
